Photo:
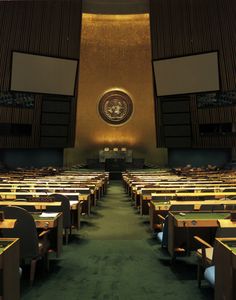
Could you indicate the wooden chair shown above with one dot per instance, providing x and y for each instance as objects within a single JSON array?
[
  {"x": 32, "y": 246},
  {"x": 65, "y": 209},
  {"x": 205, "y": 254},
  {"x": 162, "y": 236}
]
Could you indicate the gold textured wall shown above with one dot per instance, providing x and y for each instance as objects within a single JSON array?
[{"x": 115, "y": 54}]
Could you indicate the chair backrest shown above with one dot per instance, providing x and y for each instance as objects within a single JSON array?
[
  {"x": 161, "y": 198},
  {"x": 5, "y": 190},
  {"x": 64, "y": 208},
  {"x": 181, "y": 207},
  {"x": 230, "y": 206},
  {"x": 24, "y": 229},
  {"x": 208, "y": 190},
  {"x": 23, "y": 196},
  {"x": 29, "y": 208},
  {"x": 147, "y": 191},
  {"x": 232, "y": 190},
  {"x": 211, "y": 207},
  {"x": 224, "y": 232}
]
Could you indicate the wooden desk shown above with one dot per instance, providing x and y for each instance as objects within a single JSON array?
[
  {"x": 225, "y": 268},
  {"x": 55, "y": 224},
  {"x": 7, "y": 223},
  {"x": 216, "y": 195},
  {"x": 182, "y": 228},
  {"x": 9, "y": 269},
  {"x": 84, "y": 200},
  {"x": 162, "y": 208},
  {"x": 146, "y": 198},
  {"x": 75, "y": 208}
]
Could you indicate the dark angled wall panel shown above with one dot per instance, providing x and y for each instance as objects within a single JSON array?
[
  {"x": 53, "y": 142},
  {"x": 175, "y": 119},
  {"x": 61, "y": 107},
  {"x": 170, "y": 106},
  {"x": 55, "y": 118},
  {"x": 180, "y": 28},
  {"x": 15, "y": 115},
  {"x": 178, "y": 142},
  {"x": 56, "y": 121},
  {"x": 180, "y": 118},
  {"x": 50, "y": 28},
  {"x": 177, "y": 130},
  {"x": 187, "y": 27},
  {"x": 42, "y": 27},
  {"x": 52, "y": 130}
]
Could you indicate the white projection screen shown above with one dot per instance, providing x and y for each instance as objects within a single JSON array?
[
  {"x": 187, "y": 74},
  {"x": 43, "y": 74}
]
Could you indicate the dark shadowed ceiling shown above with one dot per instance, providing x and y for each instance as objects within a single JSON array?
[{"x": 116, "y": 6}]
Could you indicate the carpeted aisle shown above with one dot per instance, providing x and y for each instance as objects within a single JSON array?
[{"x": 114, "y": 257}]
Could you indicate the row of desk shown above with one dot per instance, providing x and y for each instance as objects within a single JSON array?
[
  {"x": 195, "y": 206},
  {"x": 83, "y": 191}
]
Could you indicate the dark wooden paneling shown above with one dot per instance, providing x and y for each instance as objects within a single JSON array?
[
  {"x": 178, "y": 142},
  {"x": 188, "y": 27},
  {"x": 54, "y": 118},
  {"x": 22, "y": 116},
  {"x": 53, "y": 142},
  {"x": 42, "y": 27},
  {"x": 217, "y": 115},
  {"x": 213, "y": 115},
  {"x": 175, "y": 106},
  {"x": 177, "y": 130},
  {"x": 175, "y": 120},
  {"x": 54, "y": 130},
  {"x": 172, "y": 119},
  {"x": 57, "y": 107},
  {"x": 56, "y": 121}
]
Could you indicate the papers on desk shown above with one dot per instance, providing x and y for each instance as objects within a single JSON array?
[{"x": 48, "y": 215}]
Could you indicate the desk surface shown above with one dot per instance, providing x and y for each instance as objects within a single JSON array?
[
  {"x": 200, "y": 215},
  {"x": 47, "y": 221},
  {"x": 36, "y": 193},
  {"x": 229, "y": 243},
  {"x": 5, "y": 243},
  {"x": 195, "y": 194},
  {"x": 165, "y": 205},
  {"x": 199, "y": 219},
  {"x": 7, "y": 223}
]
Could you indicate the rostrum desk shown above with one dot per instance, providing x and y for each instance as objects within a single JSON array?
[{"x": 183, "y": 227}]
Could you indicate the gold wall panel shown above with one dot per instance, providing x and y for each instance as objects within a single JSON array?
[{"x": 115, "y": 54}]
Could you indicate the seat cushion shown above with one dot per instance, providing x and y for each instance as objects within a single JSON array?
[
  {"x": 44, "y": 245},
  {"x": 209, "y": 275},
  {"x": 160, "y": 236}
]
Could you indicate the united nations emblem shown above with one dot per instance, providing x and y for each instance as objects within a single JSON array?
[{"x": 115, "y": 107}]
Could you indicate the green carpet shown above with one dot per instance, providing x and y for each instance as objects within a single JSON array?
[{"x": 113, "y": 256}]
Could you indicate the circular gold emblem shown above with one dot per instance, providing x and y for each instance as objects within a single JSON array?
[{"x": 115, "y": 107}]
